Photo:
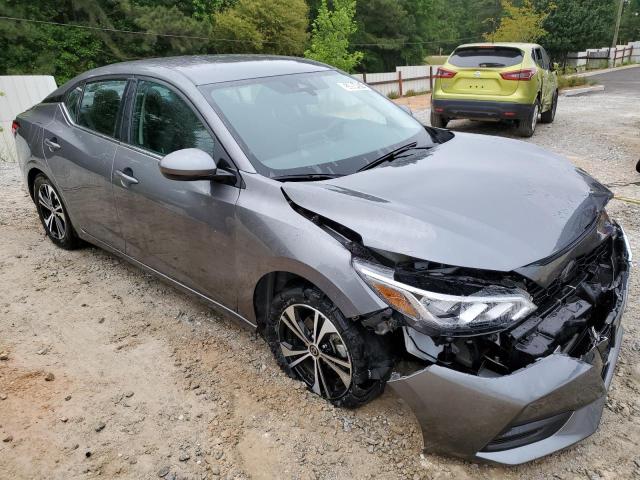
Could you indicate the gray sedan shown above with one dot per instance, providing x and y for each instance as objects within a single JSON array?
[{"x": 479, "y": 277}]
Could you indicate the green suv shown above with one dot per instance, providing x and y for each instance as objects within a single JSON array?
[{"x": 496, "y": 81}]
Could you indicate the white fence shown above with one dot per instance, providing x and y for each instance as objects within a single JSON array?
[
  {"x": 21, "y": 92},
  {"x": 416, "y": 78},
  {"x": 605, "y": 56}
]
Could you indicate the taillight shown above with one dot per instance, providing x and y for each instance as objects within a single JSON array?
[
  {"x": 526, "y": 74},
  {"x": 14, "y": 127},
  {"x": 444, "y": 73}
]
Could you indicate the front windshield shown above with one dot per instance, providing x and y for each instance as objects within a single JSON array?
[{"x": 312, "y": 123}]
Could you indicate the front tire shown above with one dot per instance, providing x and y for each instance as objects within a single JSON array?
[
  {"x": 527, "y": 126},
  {"x": 53, "y": 214},
  {"x": 313, "y": 342}
]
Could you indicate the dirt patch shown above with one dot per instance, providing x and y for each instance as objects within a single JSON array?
[{"x": 148, "y": 381}]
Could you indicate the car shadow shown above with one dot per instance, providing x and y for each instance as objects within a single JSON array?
[{"x": 501, "y": 129}]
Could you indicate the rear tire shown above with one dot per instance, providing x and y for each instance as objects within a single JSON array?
[
  {"x": 549, "y": 115},
  {"x": 53, "y": 214},
  {"x": 527, "y": 126},
  {"x": 438, "y": 121},
  {"x": 312, "y": 341}
]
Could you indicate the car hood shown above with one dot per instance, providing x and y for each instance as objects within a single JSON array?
[{"x": 475, "y": 201}]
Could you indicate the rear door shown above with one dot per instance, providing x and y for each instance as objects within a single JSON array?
[
  {"x": 80, "y": 146},
  {"x": 183, "y": 229},
  {"x": 478, "y": 70}
]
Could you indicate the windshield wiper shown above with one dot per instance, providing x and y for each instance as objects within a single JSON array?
[
  {"x": 304, "y": 177},
  {"x": 392, "y": 155}
]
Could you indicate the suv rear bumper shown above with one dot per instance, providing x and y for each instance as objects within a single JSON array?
[{"x": 481, "y": 110}]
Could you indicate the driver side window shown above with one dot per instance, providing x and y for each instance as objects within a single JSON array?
[{"x": 163, "y": 122}]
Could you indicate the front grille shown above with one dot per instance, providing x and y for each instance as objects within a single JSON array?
[{"x": 585, "y": 267}]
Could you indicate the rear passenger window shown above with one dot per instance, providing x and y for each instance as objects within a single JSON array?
[
  {"x": 486, "y": 57},
  {"x": 537, "y": 57},
  {"x": 71, "y": 101},
  {"x": 163, "y": 122},
  {"x": 100, "y": 106}
]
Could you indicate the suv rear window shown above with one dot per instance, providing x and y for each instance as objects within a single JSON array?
[{"x": 488, "y": 57}]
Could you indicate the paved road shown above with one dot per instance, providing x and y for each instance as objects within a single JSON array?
[{"x": 620, "y": 81}]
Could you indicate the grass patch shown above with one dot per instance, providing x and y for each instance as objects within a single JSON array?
[
  {"x": 565, "y": 81},
  {"x": 393, "y": 95},
  {"x": 413, "y": 93}
]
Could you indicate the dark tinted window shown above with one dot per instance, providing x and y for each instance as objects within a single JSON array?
[
  {"x": 100, "y": 105},
  {"x": 478, "y": 57},
  {"x": 163, "y": 122},
  {"x": 537, "y": 57},
  {"x": 71, "y": 101},
  {"x": 545, "y": 58}
]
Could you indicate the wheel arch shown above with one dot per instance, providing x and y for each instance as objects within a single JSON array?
[
  {"x": 269, "y": 285},
  {"x": 31, "y": 178}
]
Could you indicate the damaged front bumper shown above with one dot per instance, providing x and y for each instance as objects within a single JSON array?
[{"x": 544, "y": 407}]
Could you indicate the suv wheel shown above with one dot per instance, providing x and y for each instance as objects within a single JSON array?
[
  {"x": 53, "y": 214},
  {"x": 312, "y": 341},
  {"x": 549, "y": 115},
  {"x": 438, "y": 121},
  {"x": 527, "y": 126}
]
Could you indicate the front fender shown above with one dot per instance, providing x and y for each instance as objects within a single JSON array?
[{"x": 272, "y": 237}]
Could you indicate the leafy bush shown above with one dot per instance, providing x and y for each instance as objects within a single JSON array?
[
  {"x": 436, "y": 59},
  {"x": 393, "y": 95}
]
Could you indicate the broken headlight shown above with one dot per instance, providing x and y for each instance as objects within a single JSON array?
[{"x": 489, "y": 309}]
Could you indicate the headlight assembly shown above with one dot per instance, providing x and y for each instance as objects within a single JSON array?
[{"x": 488, "y": 309}]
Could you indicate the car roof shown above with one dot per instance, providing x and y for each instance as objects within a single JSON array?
[
  {"x": 522, "y": 46},
  {"x": 204, "y": 69}
]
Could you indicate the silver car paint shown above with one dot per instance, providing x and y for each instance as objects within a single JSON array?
[
  {"x": 462, "y": 203},
  {"x": 251, "y": 230}
]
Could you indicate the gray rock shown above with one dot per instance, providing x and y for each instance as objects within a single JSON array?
[
  {"x": 184, "y": 457},
  {"x": 49, "y": 377},
  {"x": 99, "y": 426},
  {"x": 163, "y": 472}
]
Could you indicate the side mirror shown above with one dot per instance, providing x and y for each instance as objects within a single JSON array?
[
  {"x": 191, "y": 164},
  {"x": 407, "y": 109}
]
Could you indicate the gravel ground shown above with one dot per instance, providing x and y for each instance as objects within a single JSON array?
[{"x": 106, "y": 371}]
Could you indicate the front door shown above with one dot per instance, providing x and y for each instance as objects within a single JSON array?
[
  {"x": 80, "y": 147},
  {"x": 182, "y": 229}
]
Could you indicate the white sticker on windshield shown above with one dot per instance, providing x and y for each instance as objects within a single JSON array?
[{"x": 353, "y": 86}]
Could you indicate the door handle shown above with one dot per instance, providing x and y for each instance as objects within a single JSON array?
[
  {"x": 52, "y": 143},
  {"x": 126, "y": 179}
]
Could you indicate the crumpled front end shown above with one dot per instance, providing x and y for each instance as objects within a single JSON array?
[{"x": 542, "y": 386}]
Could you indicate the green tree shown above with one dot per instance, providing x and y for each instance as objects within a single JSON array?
[
  {"x": 575, "y": 26},
  {"x": 520, "y": 23},
  {"x": 262, "y": 26},
  {"x": 330, "y": 35},
  {"x": 630, "y": 22}
]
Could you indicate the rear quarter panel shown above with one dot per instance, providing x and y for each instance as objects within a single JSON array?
[{"x": 29, "y": 138}]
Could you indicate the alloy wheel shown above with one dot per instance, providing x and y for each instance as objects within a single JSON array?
[
  {"x": 314, "y": 349},
  {"x": 53, "y": 215}
]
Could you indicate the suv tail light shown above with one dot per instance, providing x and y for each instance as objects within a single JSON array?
[
  {"x": 526, "y": 74},
  {"x": 14, "y": 127},
  {"x": 444, "y": 73}
]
